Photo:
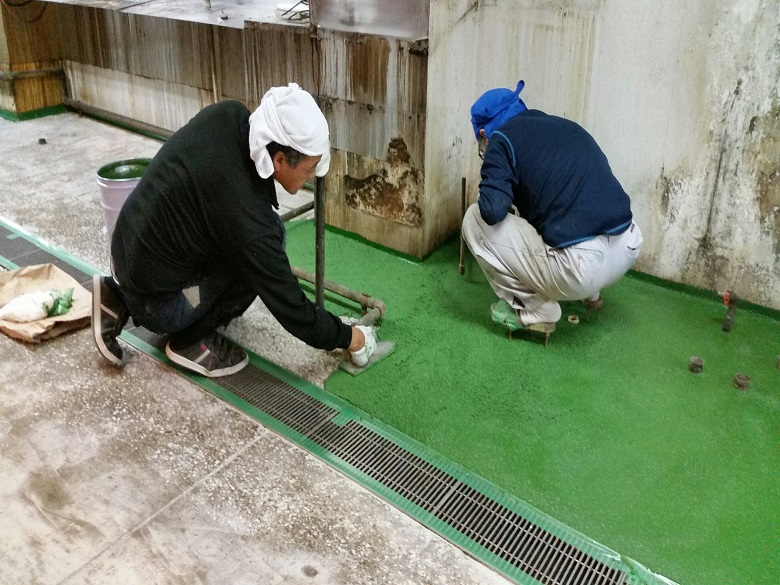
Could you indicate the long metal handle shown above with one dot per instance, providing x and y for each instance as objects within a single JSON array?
[
  {"x": 319, "y": 226},
  {"x": 461, "y": 264},
  {"x": 375, "y": 308}
]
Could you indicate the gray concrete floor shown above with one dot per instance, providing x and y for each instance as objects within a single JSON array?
[{"x": 137, "y": 475}]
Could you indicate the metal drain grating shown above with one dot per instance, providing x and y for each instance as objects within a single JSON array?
[
  {"x": 284, "y": 402},
  {"x": 13, "y": 247},
  {"x": 43, "y": 257},
  {"x": 497, "y": 529}
]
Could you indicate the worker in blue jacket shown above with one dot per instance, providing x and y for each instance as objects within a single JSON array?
[{"x": 551, "y": 223}]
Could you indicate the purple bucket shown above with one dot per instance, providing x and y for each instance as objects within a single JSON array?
[{"x": 116, "y": 181}]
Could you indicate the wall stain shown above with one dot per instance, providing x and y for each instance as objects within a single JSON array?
[
  {"x": 669, "y": 189},
  {"x": 705, "y": 264},
  {"x": 768, "y": 172},
  {"x": 397, "y": 152},
  {"x": 663, "y": 186},
  {"x": 745, "y": 160},
  {"x": 368, "y": 58},
  {"x": 391, "y": 190}
]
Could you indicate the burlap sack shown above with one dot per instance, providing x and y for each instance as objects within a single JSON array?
[{"x": 43, "y": 277}]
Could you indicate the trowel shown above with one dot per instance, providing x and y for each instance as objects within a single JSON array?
[{"x": 383, "y": 349}]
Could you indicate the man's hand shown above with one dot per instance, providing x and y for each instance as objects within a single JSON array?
[
  {"x": 358, "y": 339},
  {"x": 363, "y": 345}
]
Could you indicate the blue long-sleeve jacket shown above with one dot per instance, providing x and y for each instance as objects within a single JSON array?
[{"x": 556, "y": 175}]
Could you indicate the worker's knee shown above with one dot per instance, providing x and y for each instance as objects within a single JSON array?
[{"x": 470, "y": 228}]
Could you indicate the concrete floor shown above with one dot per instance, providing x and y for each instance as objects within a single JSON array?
[{"x": 138, "y": 476}]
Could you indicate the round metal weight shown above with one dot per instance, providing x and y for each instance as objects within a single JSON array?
[{"x": 696, "y": 365}]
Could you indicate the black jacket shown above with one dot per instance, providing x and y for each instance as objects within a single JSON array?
[{"x": 201, "y": 204}]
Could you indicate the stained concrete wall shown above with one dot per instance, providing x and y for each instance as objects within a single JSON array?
[
  {"x": 682, "y": 97},
  {"x": 161, "y": 69}
]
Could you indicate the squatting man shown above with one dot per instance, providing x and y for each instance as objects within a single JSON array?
[
  {"x": 199, "y": 238},
  {"x": 551, "y": 222}
]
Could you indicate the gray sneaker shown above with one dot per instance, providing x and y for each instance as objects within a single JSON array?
[{"x": 212, "y": 356}]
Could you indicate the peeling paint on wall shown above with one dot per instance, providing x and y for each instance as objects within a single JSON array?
[{"x": 390, "y": 190}]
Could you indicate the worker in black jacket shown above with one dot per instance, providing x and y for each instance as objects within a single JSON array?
[
  {"x": 551, "y": 223},
  {"x": 199, "y": 238}
]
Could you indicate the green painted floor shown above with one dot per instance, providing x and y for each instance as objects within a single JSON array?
[{"x": 606, "y": 430}]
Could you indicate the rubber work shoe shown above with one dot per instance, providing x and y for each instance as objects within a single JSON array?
[
  {"x": 213, "y": 356},
  {"x": 109, "y": 316},
  {"x": 503, "y": 314}
]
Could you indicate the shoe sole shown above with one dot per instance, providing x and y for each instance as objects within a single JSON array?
[
  {"x": 516, "y": 325},
  {"x": 198, "y": 369},
  {"x": 544, "y": 328},
  {"x": 97, "y": 311}
]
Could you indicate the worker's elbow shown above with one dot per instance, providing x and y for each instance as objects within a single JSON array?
[{"x": 490, "y": 220}]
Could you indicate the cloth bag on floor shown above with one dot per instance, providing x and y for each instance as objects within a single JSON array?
[{"x": 14, "y": 283}]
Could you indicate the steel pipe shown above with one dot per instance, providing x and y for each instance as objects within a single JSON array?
[
  {"x": 136, "y": 125},
  {"x": 319, "y": 235},
  {"x": 13, "y": 75},
  {"x": 462, "y": 263},
  {"x": 375, "y": 309},
  {"x": 293, "y": 213}
]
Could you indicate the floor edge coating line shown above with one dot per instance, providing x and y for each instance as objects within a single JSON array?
[{"x": 634, "y": 573}]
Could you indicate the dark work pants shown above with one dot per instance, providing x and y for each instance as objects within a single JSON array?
[{"x": 195, "y": 312}]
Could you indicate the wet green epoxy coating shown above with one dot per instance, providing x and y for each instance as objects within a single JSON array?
[
  {"x": 606, "y": 430},
  {"x": 124, "y": 169}
]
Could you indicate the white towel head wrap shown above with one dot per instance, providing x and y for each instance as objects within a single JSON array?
[{"x": 288, "y": 116}]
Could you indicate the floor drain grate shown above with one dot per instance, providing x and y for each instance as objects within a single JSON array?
[
  {"x": 496, "y": 528},
  {"x": 284, "y": 402},
  {"x": 504, "y": 533}
]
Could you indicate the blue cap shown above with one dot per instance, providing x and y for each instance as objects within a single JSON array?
[{"x": 496, "y": 106}]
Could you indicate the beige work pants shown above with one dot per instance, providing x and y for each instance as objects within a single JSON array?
[{"x": 532, "y": 276}]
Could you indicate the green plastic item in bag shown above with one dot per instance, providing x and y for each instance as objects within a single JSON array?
[{"x": 63, "y": 301}]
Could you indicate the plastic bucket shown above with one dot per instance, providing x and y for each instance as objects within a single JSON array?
[{"x": 116, "y": 181}]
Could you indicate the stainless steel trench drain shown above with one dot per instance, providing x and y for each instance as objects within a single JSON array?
[{"x": 499, "y": 530}]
